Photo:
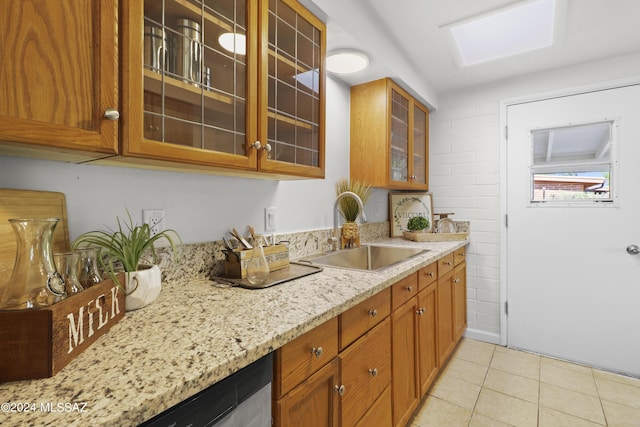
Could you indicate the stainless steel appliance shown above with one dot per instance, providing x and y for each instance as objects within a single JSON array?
[{"x": 240, "y": 400}]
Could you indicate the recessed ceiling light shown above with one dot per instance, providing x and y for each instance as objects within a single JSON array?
[
  {"x": 234, "y": 43},
  {"x": 517, "y": 29},
  {"x": 347, "y": 61}
]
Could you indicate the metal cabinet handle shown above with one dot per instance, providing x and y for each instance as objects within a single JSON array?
[
  {"x": 633, "y": 249},
  {"x": 373, "y": 372},
  {"x": 317, "y": 352},
  {"x": 421, "y": 311},
  {"x": 111, "y": 114},
  {"x": 340, "y": 389},
  {"x": 258, "y": 146},
  {"x": 373, "y": 313},
  {"x": 430, "y": 274},
  {"x": 447, "y": 263},
  {"x": 409, "y": 288},
  {"x": 456, "y": 280}
]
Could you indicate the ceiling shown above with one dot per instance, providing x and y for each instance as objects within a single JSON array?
[{"x": 405, "y": 41}]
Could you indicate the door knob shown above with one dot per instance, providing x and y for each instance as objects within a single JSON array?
[{"x": 633, "y": 249}]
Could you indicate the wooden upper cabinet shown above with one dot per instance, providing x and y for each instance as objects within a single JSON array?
[
  {"x": 389, "y": 137},
  {"x": 254, "y": 105},
  {"x": 59, "y": 75}
]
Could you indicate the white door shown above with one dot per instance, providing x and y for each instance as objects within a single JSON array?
[{"x": 573, "y": 290}]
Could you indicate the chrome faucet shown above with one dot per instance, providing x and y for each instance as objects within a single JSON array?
[{"x": 335, "y": 238}]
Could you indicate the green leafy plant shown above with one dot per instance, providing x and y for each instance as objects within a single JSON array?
[
  {"x": 347, "y": 206},
  {"x": 129, "y": 246},
  {"x": 417, "y": 223}
]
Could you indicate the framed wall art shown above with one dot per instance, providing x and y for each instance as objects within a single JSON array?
[{"x": 403, "y": 206}]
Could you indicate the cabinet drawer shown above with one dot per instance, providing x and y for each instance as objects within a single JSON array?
[
  {"x": 366, "y": 372},
  {"x": 459, "y": 255},
  {"x": 297, "y": 360},
  {"x": 427, "y": 275},
  {"x": 364, "y": 316},
  {"x": 379, "y": 414},
  {"x": 445, "y": 265},
  {"x": 403, "y": 290}
]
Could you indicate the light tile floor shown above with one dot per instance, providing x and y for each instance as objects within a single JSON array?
[{"x": 493, "y": 386}]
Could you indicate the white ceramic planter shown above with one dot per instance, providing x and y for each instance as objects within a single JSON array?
[{"x": 148, "y": 282}]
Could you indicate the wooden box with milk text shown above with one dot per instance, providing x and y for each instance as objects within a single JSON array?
[{"x": 38, "y": 343}]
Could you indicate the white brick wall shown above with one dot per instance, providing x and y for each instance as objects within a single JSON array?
[
  {"x": 464, "y": 173},
  {"x": 465, "y": 145}
]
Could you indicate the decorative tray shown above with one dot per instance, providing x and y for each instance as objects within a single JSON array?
[
  {"x": 294, "y": 271},
  {"x": 435, "y": 237}
]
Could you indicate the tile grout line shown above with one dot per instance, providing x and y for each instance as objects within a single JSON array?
[
  {"x": 604, "y": 413},
  {"x": 473, "y": 411}
]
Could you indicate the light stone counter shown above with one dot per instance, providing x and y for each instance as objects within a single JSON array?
[{"x": 192, "y": 336}]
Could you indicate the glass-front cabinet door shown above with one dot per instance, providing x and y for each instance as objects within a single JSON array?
[
  {"x": 408, "y": 148},
  {"x": 196, "y": 88},
  {"x": 399, "y": 138},
  {"x": 293, "y": 122},
  {"x": 419, "y": 177}
]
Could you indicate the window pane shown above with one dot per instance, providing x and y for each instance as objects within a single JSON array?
[{"x": 572, "y": 163}]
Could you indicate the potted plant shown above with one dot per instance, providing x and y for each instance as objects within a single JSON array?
[
  {"x": 131, "y": 248},
  {"x": 349, "y": 208},
  {"x": 417, "y": 224}
]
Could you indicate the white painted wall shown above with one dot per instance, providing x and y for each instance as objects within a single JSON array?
[
  {"x": 466, "y": 171},
  {"x": 200, "y": 207}
]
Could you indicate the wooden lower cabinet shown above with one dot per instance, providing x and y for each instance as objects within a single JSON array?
[
  {"x": 314, "y": 403},
  {"x": 391, "y": 348},
  {"x": 446, "y": 342},
  {"x": 365, "y": 369},
  {"x": 404, "y": 322},
  {"x": 427, "y": 344},
  {"x": 380, "y": 412},
  {"x": 459, "y": 300}
]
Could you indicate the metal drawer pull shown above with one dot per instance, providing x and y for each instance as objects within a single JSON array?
[
  {"x": 373, "y": 372},
  {"x": 373, "y": 313},
  {"x": 421, "y": 311},
  {"x": 430, "y": 274},
  {"x": 409, "y": 288},
  {"x": 317, "y": 352},
  {"x": 456, "y": 280},
  {"x": 340, "y": 389},
  {"x": 447, "y": 263}
]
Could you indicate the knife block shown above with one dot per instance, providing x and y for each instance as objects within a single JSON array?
[{"x": 236, "y": 261}]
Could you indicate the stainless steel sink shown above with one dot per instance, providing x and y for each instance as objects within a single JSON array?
[{"x": 366, "y": 257}]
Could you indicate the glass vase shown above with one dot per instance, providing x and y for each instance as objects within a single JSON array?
[
  {"x": 34, "y": 281},
  {"x": 67, "y": 266},
  {"x": 88, "y": 273},
  {"x": 257, "y": 268}
]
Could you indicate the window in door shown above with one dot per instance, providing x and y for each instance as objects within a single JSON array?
[{"x": 573, "y": 163}]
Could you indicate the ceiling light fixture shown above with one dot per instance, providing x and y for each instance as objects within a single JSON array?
[
  {"x": 234, "y": 43},
  {"x": 347, "y": 61},
  {"x": 520, "y": 28}
]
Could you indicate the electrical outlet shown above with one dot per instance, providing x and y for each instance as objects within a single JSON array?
[{"x": 155, "y": 219}]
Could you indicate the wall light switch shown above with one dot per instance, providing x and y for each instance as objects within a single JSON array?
[{"x": 270, "y": 220}]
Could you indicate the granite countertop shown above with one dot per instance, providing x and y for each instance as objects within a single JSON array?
[{"x": 192, "y": 336}]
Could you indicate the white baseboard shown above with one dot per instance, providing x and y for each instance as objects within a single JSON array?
[{"x": 489, "y": 337}]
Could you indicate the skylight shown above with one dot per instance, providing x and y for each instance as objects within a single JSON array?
[{"x": 522, "y": 28}]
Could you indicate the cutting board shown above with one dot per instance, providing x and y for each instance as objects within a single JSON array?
[{"x": 29, "y": 204}]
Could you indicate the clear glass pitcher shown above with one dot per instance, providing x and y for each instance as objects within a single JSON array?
[{"x": 34, "y": 282}]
